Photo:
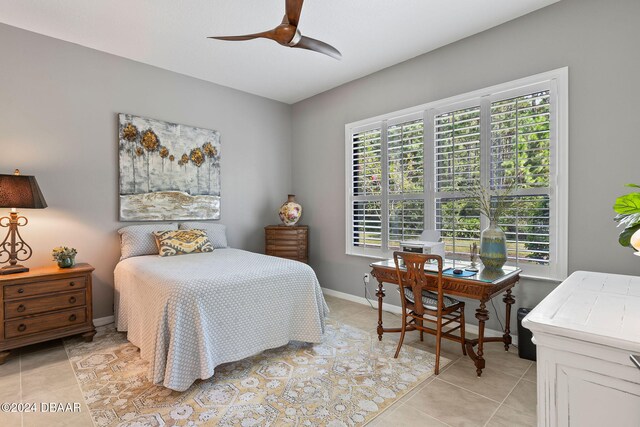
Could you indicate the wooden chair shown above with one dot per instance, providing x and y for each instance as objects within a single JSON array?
[{"x": 432, "y": 307}]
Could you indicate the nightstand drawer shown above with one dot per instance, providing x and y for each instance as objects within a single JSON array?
[
  {"x": 284, "y": 234},
  {"x": 47, "y": 322},
  {"x": 293, "y": 253},
  {"x": 45, "y": 287},
  {"x": 28, "y": 306},
  {"x": 285, "y": 245}
]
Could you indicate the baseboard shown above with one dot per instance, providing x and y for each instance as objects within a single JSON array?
[
  {"x": 103, "y": 321},
  {"x": 398, "y": 310},
  {"x": 361, "y": 300}
]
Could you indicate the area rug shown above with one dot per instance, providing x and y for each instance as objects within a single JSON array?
[{"x": 347, "y": 380}]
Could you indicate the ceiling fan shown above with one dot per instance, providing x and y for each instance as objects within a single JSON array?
[{"x": 287, "y": 33}]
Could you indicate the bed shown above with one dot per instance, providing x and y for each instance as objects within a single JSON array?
[{"x": 191, "y": 313}]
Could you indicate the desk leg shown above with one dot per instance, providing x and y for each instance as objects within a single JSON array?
[
  {"x": 380, "y": 295},
  {"x": 482, "y": 314},
  {"x": 508, "y": 300}
]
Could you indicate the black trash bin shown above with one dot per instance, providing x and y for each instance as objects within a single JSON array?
[{"x": 526, "y": 347}]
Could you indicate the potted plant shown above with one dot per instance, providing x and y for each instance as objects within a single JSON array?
[
  {"x": 628, "y": 209},
  {"x": 64, "y": 256}
]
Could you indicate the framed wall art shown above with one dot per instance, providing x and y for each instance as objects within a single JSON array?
[{"x": 168, "y": 171}]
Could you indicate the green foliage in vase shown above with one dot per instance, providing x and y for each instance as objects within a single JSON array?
[
  {"x": 62, "y": 252},
  {"x": 495, "y": 204},
  {"x": 628, "y": 209}
]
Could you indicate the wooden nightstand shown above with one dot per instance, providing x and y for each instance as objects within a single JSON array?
[
  {"x": 44, "y": 304},
  {"x": 290, "y": 242}
]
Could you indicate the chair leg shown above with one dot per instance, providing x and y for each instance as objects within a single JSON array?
[
  {"x": 438, "y": 339},
  {"x": 462, "y": 322},
  {"x": 404, "y": 329},
  {"x": 421, "y": 331}
]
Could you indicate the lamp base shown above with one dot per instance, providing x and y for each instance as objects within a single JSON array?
[{"x": 13, "y": 269}]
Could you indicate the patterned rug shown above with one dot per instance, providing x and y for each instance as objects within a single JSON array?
[{"x": 347, "y": 380}]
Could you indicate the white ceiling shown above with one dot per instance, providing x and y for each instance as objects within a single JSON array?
[{"x": 171, "y": 34}]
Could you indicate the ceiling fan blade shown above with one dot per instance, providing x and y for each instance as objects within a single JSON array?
[
  {"x": 265, "y": 34},
  {"x": 318, "y": 46},
  {"x": 293, "y": 9}
]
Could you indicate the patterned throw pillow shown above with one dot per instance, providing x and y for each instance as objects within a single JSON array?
[
  {"x": 181, "y": 242},
  {"x": 217, "y": 233}
]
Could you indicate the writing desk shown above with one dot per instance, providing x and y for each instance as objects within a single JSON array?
[{"x": 482, "y": 286}]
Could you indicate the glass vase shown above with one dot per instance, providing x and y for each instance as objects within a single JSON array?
[{"x": 493, "y": 247}]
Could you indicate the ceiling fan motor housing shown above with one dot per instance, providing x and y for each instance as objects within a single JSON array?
[{"x": 296, "y": 38}]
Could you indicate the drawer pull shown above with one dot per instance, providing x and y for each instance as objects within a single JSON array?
[
  {"x": 21, "y": 308},
  {"x": 20, "y": 291},
  {"x": 72, "y": 283},
  {"x": 22, "y": 327},
  {"x": 72, "y": 317},
  {"x": 72, "y": 300}
]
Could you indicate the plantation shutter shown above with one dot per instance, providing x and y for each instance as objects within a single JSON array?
[
  {"x": 367, "y": 188},
  {"x": 405, "y": 166},
  {"x": 457, "y": 145},
  {"x": 457, "y": 169},
  {"x": 520, "y": 141},
  {"x": 405, "y": 147},
  {"x": 526, "y": 225},
  {"x": 423, "y": 168},
  {"x": 367, "y": 224},
  {"x": 520, "y": 148}
]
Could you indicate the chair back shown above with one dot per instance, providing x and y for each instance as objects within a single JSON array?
[{"x": 416, "y": 279}]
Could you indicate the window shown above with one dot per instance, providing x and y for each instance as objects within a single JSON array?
[
  {"x": 520, "y": 149},
  {"x": 413, "y": 170},
  {"x": 405, "y": 165},
  {"x": 367, "y": 188},
  {"x": 456, "y": 140}
]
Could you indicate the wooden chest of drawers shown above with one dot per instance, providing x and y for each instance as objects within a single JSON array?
[
  {"x": 45, "y": 304},
  {"x": 290, "y": 242}
]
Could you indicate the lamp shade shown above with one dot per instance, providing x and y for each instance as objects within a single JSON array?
[{"x": 20, "y": 191}]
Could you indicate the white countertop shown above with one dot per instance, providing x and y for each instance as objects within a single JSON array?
[{"x": 598, "y": 307}]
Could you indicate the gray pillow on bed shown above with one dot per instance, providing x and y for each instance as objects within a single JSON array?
[
  {"x": 217, "y": 233},
  {"x": 137, "y": 240}
]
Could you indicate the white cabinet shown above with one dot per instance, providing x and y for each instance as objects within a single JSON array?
[{"x": 585, "y": 331}]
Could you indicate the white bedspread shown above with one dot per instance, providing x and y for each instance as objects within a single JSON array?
[{"x": 191, "y": 313}]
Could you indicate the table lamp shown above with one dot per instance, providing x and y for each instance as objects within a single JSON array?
[{"x": 17, "y": 191}]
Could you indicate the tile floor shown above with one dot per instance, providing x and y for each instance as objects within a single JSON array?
[{"x": 505, "y": 395}]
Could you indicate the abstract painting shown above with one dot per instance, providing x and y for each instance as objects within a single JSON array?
[{"x": 168, "y": 171}]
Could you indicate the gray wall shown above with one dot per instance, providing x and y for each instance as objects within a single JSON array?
[
  {"x": 58, "y": 121},
  {"x": 58, "y": 106},
  {"x": 598, "y": 40}
]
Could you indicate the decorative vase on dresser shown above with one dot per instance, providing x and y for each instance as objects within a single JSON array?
[
  {"x": 493, "y": 247},
  {"x": 45, "y": 304},
  {"x": 67, "y": 262},
  {"x": 290, "y": 242},
  {"x": 290, "y": 211}
]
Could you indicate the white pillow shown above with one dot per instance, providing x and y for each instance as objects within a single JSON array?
[
  {"x": 217, "y": 233},
  {"x": 137, "y": 240}
]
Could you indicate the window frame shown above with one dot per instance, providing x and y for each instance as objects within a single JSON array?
[{"x": 556, "y": 81}]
